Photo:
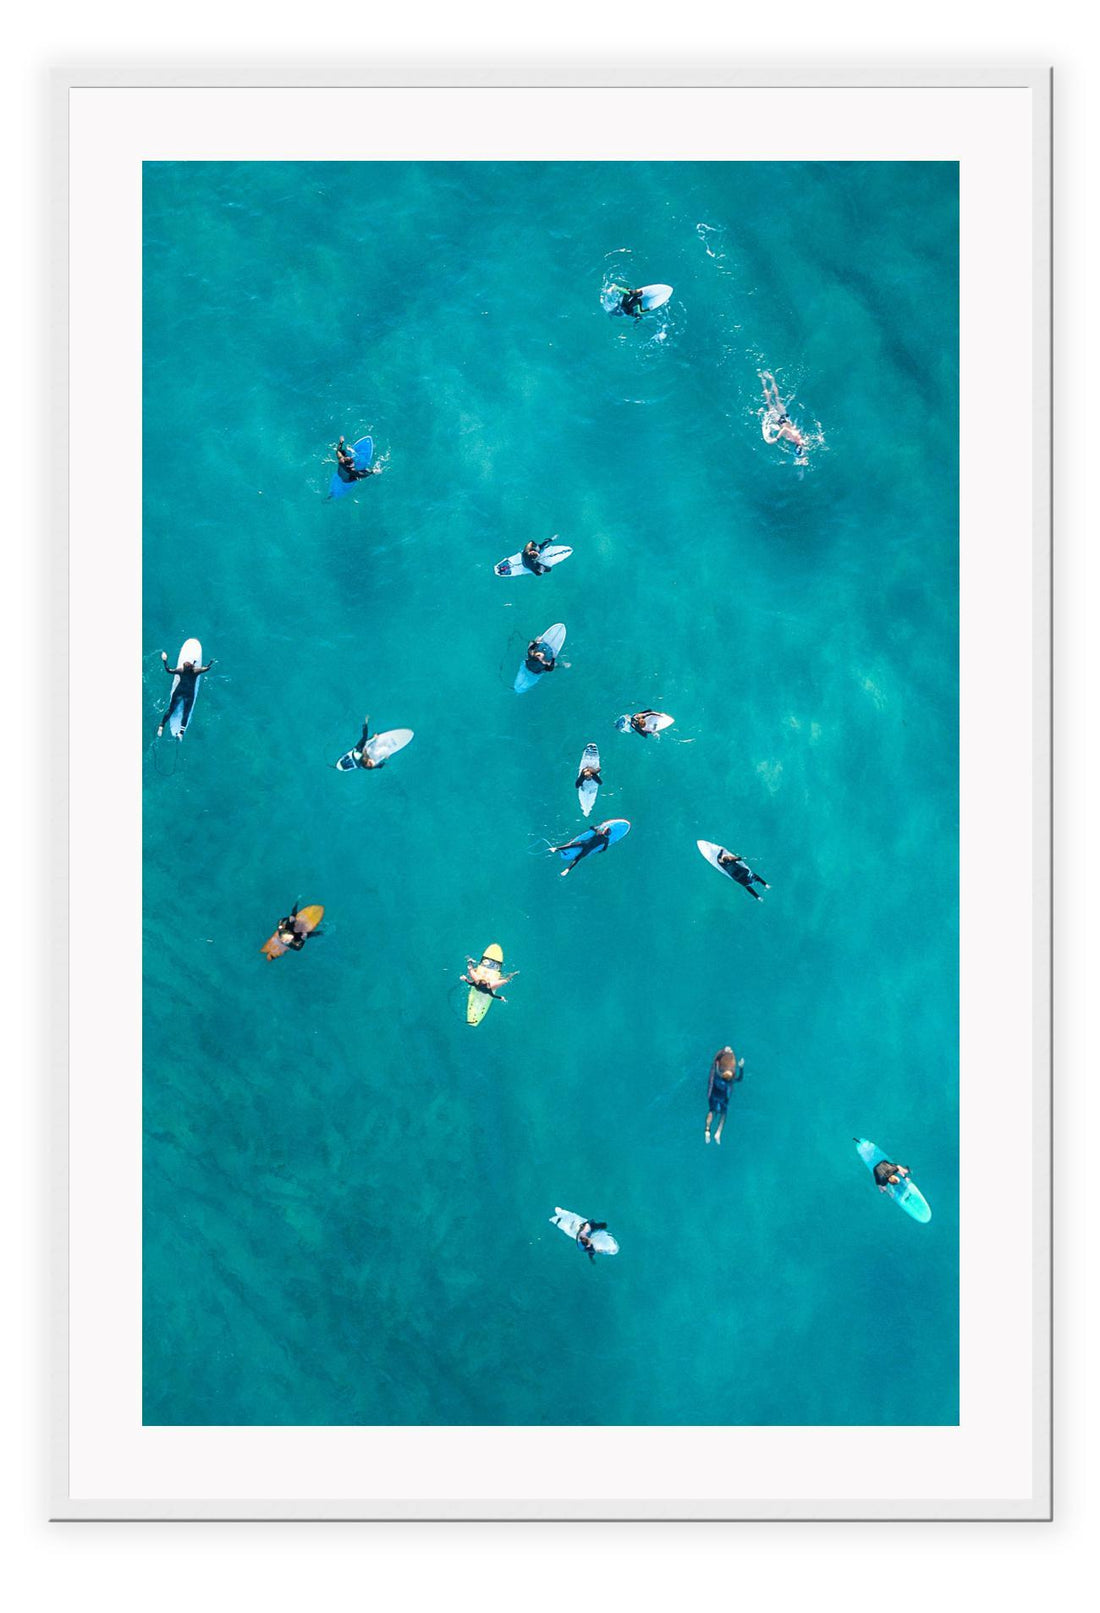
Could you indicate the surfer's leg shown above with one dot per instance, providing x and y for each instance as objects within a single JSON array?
[
  {"x": 755, "y": 896},
  {"x": 706, "y": 1131}
]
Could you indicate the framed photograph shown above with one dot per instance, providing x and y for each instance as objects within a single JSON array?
[{"x": 635, "y": 1103}]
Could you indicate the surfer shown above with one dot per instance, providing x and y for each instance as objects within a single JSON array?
[
  {"x": 290, "y": 935},
  {"x": 480, "y": 983},
  {"x": 738, "y": 869},
  {"x": 725, "y": 1069},
  {"x": 777, "y": 422},
  {"x": 631, "y": 302},
  {"x": 640, "y": 720},
  {"x": 346, "y": 467},
  {"x": 591, "y": 841},
  {"x": 529, "y": 557},
  {"x": 587, "y": 773},
  {"x": 360, "y": 751},
  {"x": 584, "y": 1240},
  {"x": 540, "y": 658},
  {"x": 888, "y": 1175},
  {"x": 183, "y": 695}
]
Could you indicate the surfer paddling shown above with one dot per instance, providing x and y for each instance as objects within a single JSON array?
[
  {"x": 725, "y": 1069},
  {"x": 739, "y": 871},
  {"x": 183, "y": 695}
]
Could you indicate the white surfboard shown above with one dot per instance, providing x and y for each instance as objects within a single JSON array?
[
  {"x": 655, "y": 296},
  {"x": 190, "y": 650},
  {"x": 655, "y": 723},
  {"x": 552, "y": 555},
  {"x": 588, "y": 791},
  {"x": 571, "y": 1224},
  {"x": 552, "y": 639},
  {"x": 379, "y": 748}
]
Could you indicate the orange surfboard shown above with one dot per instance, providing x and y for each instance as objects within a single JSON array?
[{"x": 307, "y": 919}]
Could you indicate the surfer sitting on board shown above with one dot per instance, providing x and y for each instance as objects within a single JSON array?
[
  {"x": 183, "y": 695},
  {"x": 530, "y": 557},
  {"x": 737, "y": 868},
  {"x": 777, "y": 422},
  {"x": 290, "y": 935},
  {"x": 584, "y": 1241},
  {"x": 539, "y": 657},
  {"x": 360, "y": 751},
  {"x": 888, "y": 1175},
  {"x": 590, "y": 841},
  {"x": 725, "y": 1069},
  {"x": 479, "y": 982},
  {"x": 631, "y": 302},
  {"x": 346, "y": 467},
  {"x": 640, "y": 723}
]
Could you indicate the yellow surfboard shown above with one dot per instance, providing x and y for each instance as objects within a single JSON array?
[
  {"x": 489, "y": 970},
  {"x": 307, "y": 919}
]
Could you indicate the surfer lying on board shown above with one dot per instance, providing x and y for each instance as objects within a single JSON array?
[
  {"x": 587, "y": 773},
  {"x": 631, "y": 301},
  {"x": 530, "y": 557},
  {"x": 888, "y": 1175},
  {"x": 590, "y": 841},
  {"x": 484, "y": 983},
  {"x": 346, "y": 467},
  {"x": 290, "y": 935},
  {"x": 539, "y": 657},
  {"x": 360, "y": 751},
  {"x": 777, "y": 422},
  {"x": 737, "y": 868},
  {"x": 183, "y": 695},
  {"x": 725, "y": 1069},
  {"x": 584, "y": 1241}
]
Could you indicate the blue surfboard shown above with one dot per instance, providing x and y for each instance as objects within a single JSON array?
[{"x": 363, "y": 451}]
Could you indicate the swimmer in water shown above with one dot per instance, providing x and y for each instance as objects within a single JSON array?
[
  {"x": 591, "y": 842},
  {"x": 183, "y": 695},
  {"x": 540, "y": 658},
  {"x": 725, "y": 1069},
  {"x": 346, "y": 467},
  {"x": 486, "y": 983},
  {"x": 777, "y": 422},
  {"x": 738, "y": 869}
]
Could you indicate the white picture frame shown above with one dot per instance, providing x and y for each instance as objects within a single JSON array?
[{"x": 997, "y": 1463}]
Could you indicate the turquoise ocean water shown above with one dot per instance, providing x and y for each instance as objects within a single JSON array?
[{"x": 346, "y": 1189}]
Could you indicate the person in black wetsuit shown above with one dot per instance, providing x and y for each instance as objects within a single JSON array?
[
  {"x": 530, "y": 557},
  {"x": 725, "y": 1069},
  {"x": 346, "y": 467},
  {"x": 540, "y": 658},
  {"x": 290, "y": 935},
  {"x": 584, "y": 1240},
  {"x": 639, "y": 723},
  {"x": 738, "y": 869},
  {"x": 360, "y": 751},
  {"x": 591, "y": 842},
  {"x": 888, "y": 1175},
  {"x": 631, "y": 302},
  {"x": 587, "y": 773},
  {"x": 183, "y": 695}
]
